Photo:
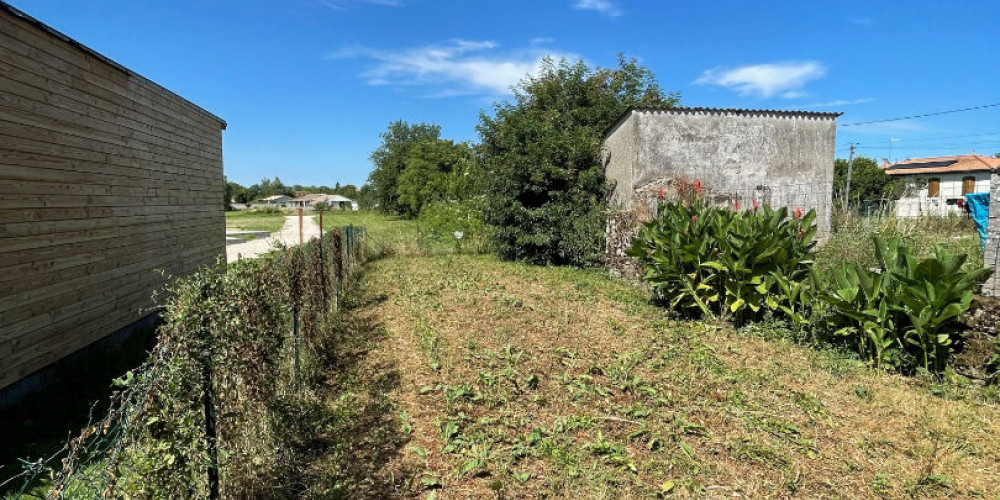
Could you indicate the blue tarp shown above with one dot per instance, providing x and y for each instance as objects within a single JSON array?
[{"x": 979, "y": 207}]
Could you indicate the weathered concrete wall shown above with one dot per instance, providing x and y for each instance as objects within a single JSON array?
[
  {"x": 779, "y": 158},
  {"x": 992, "y": 256},
  {"x": 620, "y": 146},
  {"x": 743, "y": 154}
]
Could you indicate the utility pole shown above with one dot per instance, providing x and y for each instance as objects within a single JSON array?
[{"x": 850, "y": 172}]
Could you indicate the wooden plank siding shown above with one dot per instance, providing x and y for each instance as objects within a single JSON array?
[{"x": 109, "y": 184}]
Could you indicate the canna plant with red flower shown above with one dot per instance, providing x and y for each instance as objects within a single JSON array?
[{"x": 707, "y": 260}]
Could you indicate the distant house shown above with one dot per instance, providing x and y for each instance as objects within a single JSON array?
[
  {"x": 937, "y": 186},
  {"x": 278, "y": 200},
  {"x": 309, "y": 201}
]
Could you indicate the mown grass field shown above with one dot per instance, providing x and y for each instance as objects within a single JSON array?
[
  {"x": 516, "y": 381},
  {"x": 251, "y": 220}
]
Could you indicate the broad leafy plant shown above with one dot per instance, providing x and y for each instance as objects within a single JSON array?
[
  {"x": 906, "y": 314},
  {"x": 712, "y": 260}
]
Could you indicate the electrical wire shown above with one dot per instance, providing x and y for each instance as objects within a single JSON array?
[{"x": 973, "y": 108}]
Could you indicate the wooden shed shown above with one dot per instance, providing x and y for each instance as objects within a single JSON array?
[{"x": 106, "y": 179}]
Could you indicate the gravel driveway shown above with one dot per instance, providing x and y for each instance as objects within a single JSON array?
[{"x": 288, "y": 235}]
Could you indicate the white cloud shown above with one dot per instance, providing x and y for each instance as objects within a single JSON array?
[
  {"x": 838, "y": 103},
  {"x": 606, "y": 7},
  {"x": 455, "y": 67},
  {"x": 766, "y": 80},
  {"x": 345, "y": 4}
]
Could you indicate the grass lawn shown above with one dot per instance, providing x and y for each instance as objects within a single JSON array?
[
  {"x": 249, "y": 220},
  {"x": 390, "y": 233},
  {"x": 516, "y": 381}
]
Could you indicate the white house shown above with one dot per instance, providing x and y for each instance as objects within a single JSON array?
[
  {"x": 335, "y": 201},
  {"x": 937, "y": 186},
  {"x": 278, "y": 200}
]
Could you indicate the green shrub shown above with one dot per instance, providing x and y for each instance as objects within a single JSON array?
[
  {"x": 904, "y": 315},
  {"x": 710, "y": 260},
  {"x": 440, "y": 222},
  {"x": 546, "y": 188}
]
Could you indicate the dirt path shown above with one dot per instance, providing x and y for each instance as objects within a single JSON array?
[{"x": 288, "y": 235}]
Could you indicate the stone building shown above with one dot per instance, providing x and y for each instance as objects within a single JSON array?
[{"x": 783, "y": 158}]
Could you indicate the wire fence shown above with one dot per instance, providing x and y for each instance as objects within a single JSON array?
[{"x": 213, "y": 410}]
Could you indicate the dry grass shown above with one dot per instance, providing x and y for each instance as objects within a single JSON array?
[{"x": 523, "y": 382}]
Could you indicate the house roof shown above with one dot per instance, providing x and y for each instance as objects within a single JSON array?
[
  {"x": 275, "y": 197},
  {"x": 10, "y": 9},
  {"x": 943, "y": 164},
  {"x": 721, "y": 111},
  {"x": 316, "y": 198}
]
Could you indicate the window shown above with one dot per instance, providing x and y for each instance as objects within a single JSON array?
[
  {"x": 933, "y": 187},
  {"x": 968, "y": 185}
]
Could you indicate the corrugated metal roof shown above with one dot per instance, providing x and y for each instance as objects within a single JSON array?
[
  {"x": 722, "y": 111},
  {"x": 4, "y": 6}
]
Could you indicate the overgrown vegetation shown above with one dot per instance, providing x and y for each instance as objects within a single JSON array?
[
  {"x": 533, "y": 189},
  {"x": 757, "y": 263},
  {"x": 540, "y": 152},
  {"x": 244, "y": 355}
]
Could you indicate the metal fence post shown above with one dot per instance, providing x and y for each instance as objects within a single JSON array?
[{"x": 211, "y": 437}]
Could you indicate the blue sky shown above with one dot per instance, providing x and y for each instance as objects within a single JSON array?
[{"x": 307, "y": 85}]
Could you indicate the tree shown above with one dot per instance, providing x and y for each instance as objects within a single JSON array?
[
  {"x": 366, "y": 197},
  {"x": 436, "y": 170},
  {"x": 229, "y": 193},
  {"x": 390, "y": 160},
  {"x": 869, "y": 183},
  {"x": 546, "y": 187}
]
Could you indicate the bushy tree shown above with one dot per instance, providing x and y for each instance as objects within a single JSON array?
[
  {"x": 546, "y": 187},
  {"x": 390, "y": 160},
  {"x": 869, "y": 183},
  {"x": 435, "y": 171}
]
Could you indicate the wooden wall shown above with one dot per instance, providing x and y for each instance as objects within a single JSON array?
[{"x": 105, "y": 178}]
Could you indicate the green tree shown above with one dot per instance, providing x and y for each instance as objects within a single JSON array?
[
  {"x": 366, "y": 197},
  {"x": 390, "y": 160},
  {"x": 435, "y": 170},
  {"x": 229, "y": 193},
  {"x": 869, "y": 183},
  {"x": 546, "y": 187}
]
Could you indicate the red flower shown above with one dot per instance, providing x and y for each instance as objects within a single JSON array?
[
  {"x": 698, "y": 188},
  {"x": 755, "y": 204},
  {"x": 680, "y": 188},
  {"x": 694, "y": 219},
  {"x": 661, "y": 194},
  {"x": 798, "y": 212},
  {"x": 736, "y": 204}
]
